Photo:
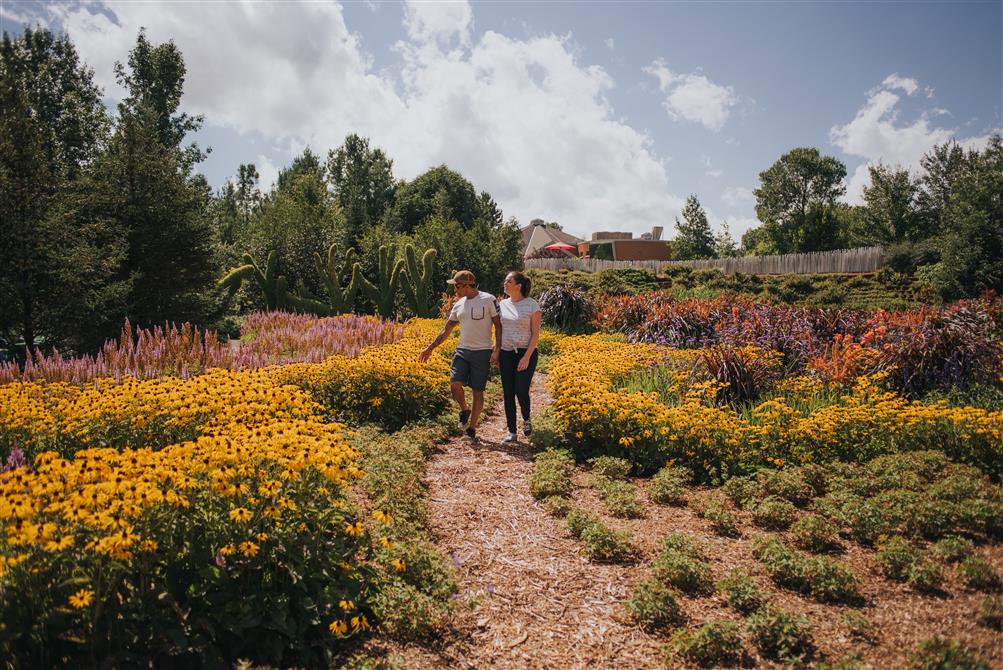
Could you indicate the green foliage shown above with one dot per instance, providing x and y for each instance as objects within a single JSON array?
[
  {"x": 716, "y": 509},
  {"x": 742, "y": 592},
  {"x": 418, "y": 284},
  {"x": 342, "y": 282},
  {"x": 774, "y": 513},
  {"x": 578, "y": 520},
  {"x": 925, "y": 575},
  {"x": 680, "y": 565},
  {"x": 557, "y": 505},
  {"x": 610, "y": 467},
  {"x": 622, "y": 281},
  {"x": 953, "y": 549},
  {"x": 654, "y": 606},
  {"x": 551, "y": 474},
  {"x": 417, "y": 602},
  {"x": 714, "y": 643},
  {"x": 824, "y": 580},
  {"x": 438, "y": 193},
  {"x": 362, "y": 182},
  {"x": 789, "y": 484},
  {"x": 743, "y": 490},
  {"x": 782, "y": 635},
  {"x": 383, "y": 293},
  {"x": 796, "y": 201},
  {"x": 272, "y": 287},
  {"x": 860, "y": 627},
  {"x": 694, "y": 238},
  {"x": 991, "y": 613},
  {"x": 977, "y": 573},
  {"x": 620, "y": 498},
  {"x": 816, "y": 533},
  {"x": 605, "y": 545},
  {"x": 895, "y": 557},
  {"x": 940, "y": 654},
  {"x": 668, "y": 486}
]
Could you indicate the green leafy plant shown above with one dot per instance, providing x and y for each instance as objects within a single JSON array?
[
  {"x": 860, "y": 627},
  {"x": 940, "y": 654},
  {"x": 681, "y": 565},
  {"x": 550, "y": 474},
  {"x": 774, "y": 513},
  {"x": 654, "y": 606},
  {"x": 895, "y": 557},
  {"x": 668, "y": 485},
  {"x": 782, "y": 635},
  {"x": 578, "y": 520},
  {"x": 716, "y": 509},
  {"x": 816, "y": 533},
  {"x": 991, "y": 613},
  {"x": 742, "y": 592},
  {"x": 621, "y": 499},
  {"x": 977, "y": 573},
  {"x": 605, "y": 545},
  {"x": 557, "y": 505},
  {"x": 610, "y": 467},
  {"x": 714, "y": 643},
  {"x": 953, "y": 549},
  {"x": 925, "y": 575},
  {"x": 823, "y": 579}
]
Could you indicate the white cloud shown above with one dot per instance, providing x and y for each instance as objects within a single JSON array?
[
  {"x": 438, "y": 21},
  {"x": 737, "y": 195},
  {"x": 693, "y": 97},
  {"x": 894, "y": 81},
  {"x": 610, "y": 44},
  {"x": 711, "y": 171},
  {"x": 523, "y": 119},
  {"x": 268, "y": 173},
  {"x": 875, "y": 135}
]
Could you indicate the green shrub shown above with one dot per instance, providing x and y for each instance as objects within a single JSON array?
[
  {"x": 953, "y": 549},
  {"x": 653, "y": 606},
  {"x": 816, "y": 533},
  {"x": 824, "y": 580},
  {"x": 605, "y": 545},
  {"x": 932, "y": 518},
  {"x": 715, "y": 509},
  {"x": 978, "y": 574},
  {"x": 774, "y": 513},
  {"x": 939, "y": 654},
  {"x": 578, "y": 520},
  {"x": 610, "y": 467},
  {"x": 742, "y": 592},
  {"x": 743, "y": 490},
  {"x": 683, "y": 570},
  {"x": 790, "y": 485},
  {"x": 557, "y": 505},
  {"x": 925, "y": 575},
  {"x": 714, "y": 643},
  {"x": 867, "y": 522},
  {"x": 550, "y": 474},
  {"x": 895, "y": 557},
  {"x": 621, "y": 499},
  {"x": 848, "y": 663},
  {"x": 782, "y": 636},
  {"x": 546, "y": 434},
  {"x": 991, "y": 613},
  {"x": 668, "y": 486},
  {"x": 625, "y": 281}
]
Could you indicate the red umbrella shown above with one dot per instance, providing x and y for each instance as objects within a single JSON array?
[{"x": 561, "y": 246}]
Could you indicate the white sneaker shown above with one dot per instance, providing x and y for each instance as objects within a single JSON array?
[{"x": 511, "y": 438}]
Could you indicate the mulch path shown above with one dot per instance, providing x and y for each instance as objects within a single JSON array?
[{"x": 536, "y": 602}]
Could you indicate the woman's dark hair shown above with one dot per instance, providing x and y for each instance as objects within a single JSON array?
[{"x": 524, "y": 282}]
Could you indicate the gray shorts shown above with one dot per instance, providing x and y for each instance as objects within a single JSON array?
[{"x": 471, "y": 367}]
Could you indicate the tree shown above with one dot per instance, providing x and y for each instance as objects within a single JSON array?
[
  {"x": 362, "y": 182},
  {"x": 971, "y": 243},
  {"x": 489, "y": 210},
  {"x": 756, "y": 242},
  {"x": 155, "y": 79},
  {"x": 724, "y": 244},
  {"x": 890, "y": 212},
  {"x": 439, "y": 192},
  {"x": 797, "y": 198},
  {"x": 694, "y": 238},
  {"x": 56, "y": 278}
]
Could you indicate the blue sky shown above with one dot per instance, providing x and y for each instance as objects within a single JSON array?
[{"x": 600, "y": 116}]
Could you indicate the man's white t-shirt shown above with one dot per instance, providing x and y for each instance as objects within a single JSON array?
[
  {"x": 515, "y": 316},
  {"x": 474, "y": 316}
]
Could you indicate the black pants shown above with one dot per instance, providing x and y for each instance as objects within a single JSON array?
[{"x": 515, "y": 384}]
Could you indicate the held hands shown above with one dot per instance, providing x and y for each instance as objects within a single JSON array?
[{"x": 495, "y": 353}]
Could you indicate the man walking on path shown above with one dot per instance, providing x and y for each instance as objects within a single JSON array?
[{"x": 475, "y": 312}]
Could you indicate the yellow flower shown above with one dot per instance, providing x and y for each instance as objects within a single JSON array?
[
  {"x": 354, "y": 528},
  {"x": 338, "y": 627},
  {"x": 81, "y": 598},
  {"x": 399, "y": 565},
  {"x": 240, "y": 515},
  {"x": 248, "y": 549},
  {"x": 346, "y": 605}
]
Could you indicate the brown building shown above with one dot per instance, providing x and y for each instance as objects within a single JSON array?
[{"x": 623, "y": 246}]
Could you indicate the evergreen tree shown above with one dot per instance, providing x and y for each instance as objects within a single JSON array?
[
  {"x": 363, "y": 185},
  {"x": 724, "y": 244},
  {"x": 694, "y": 238}
]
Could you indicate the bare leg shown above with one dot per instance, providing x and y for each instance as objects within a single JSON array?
[
  {"x": 460, "y": 397},
  {"x": 478, "y": 405}
]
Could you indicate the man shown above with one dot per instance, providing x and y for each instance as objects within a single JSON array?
[{"x": 475, "y": 312}]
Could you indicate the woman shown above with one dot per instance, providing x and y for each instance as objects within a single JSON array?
[{"x": 520, "y": 316}]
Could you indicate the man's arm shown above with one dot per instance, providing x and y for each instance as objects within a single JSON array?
[
  {"x": 439, "y": 339},
  {"x": 496, "y": 352}
]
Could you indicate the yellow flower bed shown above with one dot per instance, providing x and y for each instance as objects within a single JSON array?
[
  {"x": 155, "y": 501},
  {"x": 600, "y": 418}
]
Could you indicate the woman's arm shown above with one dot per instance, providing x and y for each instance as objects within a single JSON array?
[{"x": 534, "y": 339}]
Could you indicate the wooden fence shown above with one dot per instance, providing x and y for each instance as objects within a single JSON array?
[{"x": 842, "y": 261}]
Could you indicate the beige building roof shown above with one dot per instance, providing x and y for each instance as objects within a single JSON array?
[{"x": 536, "y": 237}]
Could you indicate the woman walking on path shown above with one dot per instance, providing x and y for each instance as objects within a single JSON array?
[{"x": 520, "y": 317}]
